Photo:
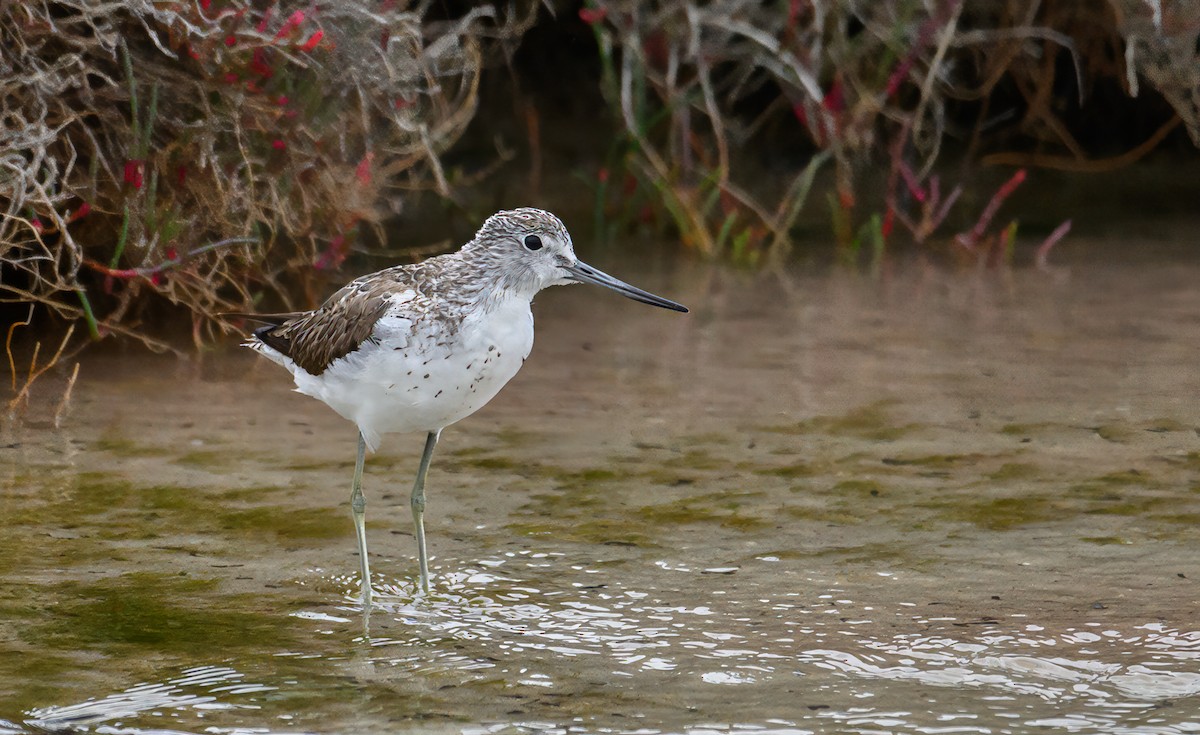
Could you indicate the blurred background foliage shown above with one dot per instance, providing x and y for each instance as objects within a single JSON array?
[{"x": 162, "y": 162}]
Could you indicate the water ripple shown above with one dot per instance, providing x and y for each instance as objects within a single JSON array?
[
  {"x": 202, "y": 687},
  {"x": 1010, "y": 673}
]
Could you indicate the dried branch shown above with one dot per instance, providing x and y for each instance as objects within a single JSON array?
[{"x": 136, "y": 131}]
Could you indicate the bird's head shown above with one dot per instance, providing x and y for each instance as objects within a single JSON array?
[{"x": 530, "y": 249}]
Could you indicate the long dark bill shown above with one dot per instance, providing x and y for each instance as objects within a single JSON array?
[{"x": 584, "y": 273}]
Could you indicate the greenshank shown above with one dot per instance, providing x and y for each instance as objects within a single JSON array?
[{"x": 416, "y": 348}]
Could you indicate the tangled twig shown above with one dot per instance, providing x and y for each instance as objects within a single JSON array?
[{"x": 134, "y": 132}]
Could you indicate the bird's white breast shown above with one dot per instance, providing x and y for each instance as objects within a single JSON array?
[{"x": 423, "y": 374}]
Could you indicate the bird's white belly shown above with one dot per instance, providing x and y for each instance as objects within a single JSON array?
[{"x": 412, "y": 381}]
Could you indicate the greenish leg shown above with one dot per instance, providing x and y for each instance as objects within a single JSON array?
[
  {"x": 358, "y": 504},
  {"x": 418, "y": 507}
]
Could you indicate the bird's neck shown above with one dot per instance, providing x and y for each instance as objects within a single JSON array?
[{"x": 494, "y": 281}]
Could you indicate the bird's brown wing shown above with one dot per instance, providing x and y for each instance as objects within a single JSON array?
[{"x": 314, "y": 339}]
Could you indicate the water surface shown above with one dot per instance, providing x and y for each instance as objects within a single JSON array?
[{"x": 925, "y": 501}]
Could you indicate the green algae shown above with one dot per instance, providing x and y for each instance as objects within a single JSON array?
[
  {"x": 618, "y": 472},
  {"x": 110, "y": 504},
  {"x": 1190, "y": 460},
  {"x": 1116, "y": 433},
  {"x": 1030, "y": 429},
  {"x": 938, "y": 461},
  {"x": 696, "y": 459},
  {"x": 492, "y": 464},
  {"x": 865, "y": 553},
  {"x": 92, "y": 493},
  {"x": 160, "y": 613},
  {"x": 1188, "y": 520},
  {"x": 1015, "y": 471},
  {"x": 517, "y": 437},
  {"x": 683, "y": 513},
  {"x": 871, "y": 422},
  {"x": 293, "y": 525},
  {"x": 33, "y": 677},
  {"x": 99, "y": 508},
  {"x": 840, "y": 516},
  {"x": 1108, "y": 484},
  {"x": 243, "y": 494},
  {"x": 744, "y": 523},
  {"x": 589, "y": 476},
  {"x": 729, "y": 499},
  {"x": 1119, "y": 506},
  {"x": 1123, "y": 493},
  {"x": 343, "y": 465},
  {"x": 858, "y": 487},
  {"x": 125, "y": 448},
  {"x": 1003, "y": 514},
  {"x": 1165, "y": 426},
  {"x": 563, "y": 503},
  {"x": 668, "y": 477},
  {"x": 209, "y": 459},
  {"x": 795, "y": 470}
]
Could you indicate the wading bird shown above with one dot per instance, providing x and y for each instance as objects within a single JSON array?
[{"x": 419, "y": 347}]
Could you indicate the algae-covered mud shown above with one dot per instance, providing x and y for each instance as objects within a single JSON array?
[{"x": 925, "y": 501}]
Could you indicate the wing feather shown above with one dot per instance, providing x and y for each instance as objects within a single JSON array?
[{"x": 314, "y": 339}]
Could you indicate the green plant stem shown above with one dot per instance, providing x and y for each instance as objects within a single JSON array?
[
  {"x": 88, "y": 314},
  {"x": 121, "y": 240},
  {"x": 148, "y": 126}
]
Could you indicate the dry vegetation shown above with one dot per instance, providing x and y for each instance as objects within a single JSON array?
[
  {"x": 191, "y": 153},
  {"x": 179, "y": 159},
  {"x": 872, "y": 89}
]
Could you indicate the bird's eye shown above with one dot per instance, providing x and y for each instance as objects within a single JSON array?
[{"x": 533, "y": 242}]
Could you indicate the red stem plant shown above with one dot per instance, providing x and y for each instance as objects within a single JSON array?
[{"x": 698, "y": 88}]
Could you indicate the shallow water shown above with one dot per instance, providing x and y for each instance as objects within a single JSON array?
[{"x": 924, "y": 501}]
